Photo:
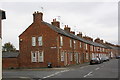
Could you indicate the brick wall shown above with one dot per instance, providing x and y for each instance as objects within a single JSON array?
[{"x": 10, "y": 63}]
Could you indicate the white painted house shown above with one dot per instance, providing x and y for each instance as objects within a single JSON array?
[{"x": 2, "y": 16}]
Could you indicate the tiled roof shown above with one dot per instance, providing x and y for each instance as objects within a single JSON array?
[
  {"x": 10, "y": 54},
  {"x": 65, "y": 33}
]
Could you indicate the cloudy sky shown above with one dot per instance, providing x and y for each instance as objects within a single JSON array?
[{"x": 93, "y": 18}]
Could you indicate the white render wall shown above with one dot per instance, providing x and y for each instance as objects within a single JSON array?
[{"x": 0, "y": 58}]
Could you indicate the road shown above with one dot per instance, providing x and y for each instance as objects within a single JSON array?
[{"x": 105, "y": 70}]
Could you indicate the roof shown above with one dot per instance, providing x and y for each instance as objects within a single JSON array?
[
  {"x": 113, "y": 47},
  {"x": 10, "y": 54},
  {"x": 2, "y": 13},
  {"x": 65, "y": 33}
]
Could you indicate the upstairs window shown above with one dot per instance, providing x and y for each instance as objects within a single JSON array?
[
  {"x": 86, "y": 46},
  {"x": 91, "y": 48},
  {"x": 80, "y": 45},
  {"x": 70, "y": 43},
  {"x": 61, "y": 41},
  {"x": 33, "y": 41},
  {"x": 40, "y": 42},
  {"x": 74, "y": 44}
]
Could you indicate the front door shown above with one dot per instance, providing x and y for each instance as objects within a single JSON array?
[{"x": 65, "y": 62}]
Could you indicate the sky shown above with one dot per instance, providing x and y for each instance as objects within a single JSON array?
[{"x": 96, "y": 19}]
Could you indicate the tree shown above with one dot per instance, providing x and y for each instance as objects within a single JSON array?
[{"x": 8, "y": 47}]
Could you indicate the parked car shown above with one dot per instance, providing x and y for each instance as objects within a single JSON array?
[
  {"x": 107, "y": 58},
  {"x": 118, "y": 57},
  {"x": 104, "y": 59},
  {"x": 95, "y": 61}
]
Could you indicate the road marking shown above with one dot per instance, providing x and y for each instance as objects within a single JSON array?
[
  {"x": 97, "y": 68},
  {"x": 24, "y": 77},
  {"x": 81, "y": 67},
  {"x": 88, "y": 74},
  {"x": 102, "y": 66},
  {"x": 55, "y": 74}
]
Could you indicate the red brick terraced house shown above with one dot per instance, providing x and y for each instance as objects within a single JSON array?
[{"x": 42, "y": 43}]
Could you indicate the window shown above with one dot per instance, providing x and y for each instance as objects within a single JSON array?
[
  {"x": 62, "y": 56},
  {"x": 91, "y": 48},
  {"x": 33, "y": 41},
  {"x": 86, "y": 55},
  {"x": 98, "y": 49},
  {"x": 74, "y": 56},
  {"x": 33, "y": 56},
  {"x": 80, "y": 45},
  {"x": 40, "y": 56},
  {"x": 86, "y": 46},
  {"x": 71, "y": 56},
  {"x": 70, "y": 43},
  {"x": 74, "y": 44},
  {"x": 61, "y": 41},
  {"x": 103, "y": 50},
  {"x": 40, "y": 42}
]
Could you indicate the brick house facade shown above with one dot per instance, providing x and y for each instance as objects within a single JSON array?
[{"x": 42, "y": 43}]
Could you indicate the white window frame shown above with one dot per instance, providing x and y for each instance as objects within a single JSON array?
[
  {"x": 87, "y": 56},
  {"x": 91, "y": 48},
  {"x": 40, "y": 56},
  {"x": 71, "y": 57},
  {"x": 86, "y": 46},
  {"x": 80, "y": 44},
  {"x": 40, "y": 41},
  {"x": 74, "y": 44},
  {"x": 33, "y": 56},
  {"x": 33, "y": 41},
  {"x": 70, "y": 43},
  {"x": 62, "y": 56},
  {"x": 61, "y": 40}
]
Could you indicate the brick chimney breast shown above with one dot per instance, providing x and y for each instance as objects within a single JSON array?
[
  {"x": 72, "y": 32},
  {"x": 66, "y": 28},
  {"x": 79, "y": 34},
  {"x": 37, "y": 17},
  {"x": 56, "y": 23}
]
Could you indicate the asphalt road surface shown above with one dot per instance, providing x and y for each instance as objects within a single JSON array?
[{"x": 105, "y": 70}]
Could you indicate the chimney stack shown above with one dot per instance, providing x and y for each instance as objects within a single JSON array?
[
  {"x": 37, "y": 16},
  {"x": 66, "y": 28},
  {"x": 97, "y": 40},
  {"x": 102, "y": 41},
  {"x": 79, "y": 34},
  {"x": 72, "y": 32},
  {"x": 56, "y": 23},
  {"x": 88, "y": 38}
]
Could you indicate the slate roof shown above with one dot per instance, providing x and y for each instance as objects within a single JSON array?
[
  {"x": 10, "y": 54},
  {"x": 65, "y": 33}
]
